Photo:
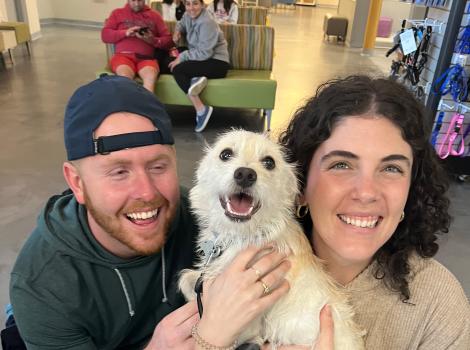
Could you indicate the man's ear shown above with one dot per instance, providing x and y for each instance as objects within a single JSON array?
[{"x": 74, "y": 180}]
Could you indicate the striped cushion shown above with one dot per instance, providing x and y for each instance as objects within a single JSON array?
[
  {"x": 249, "y": 46},
  {"x": 252, "y": 15}
]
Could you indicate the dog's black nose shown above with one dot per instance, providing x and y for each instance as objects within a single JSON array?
[{"x": 245, "y": 177}]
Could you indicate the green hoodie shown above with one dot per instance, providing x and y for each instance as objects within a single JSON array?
[{"x": 68, "y": 292}]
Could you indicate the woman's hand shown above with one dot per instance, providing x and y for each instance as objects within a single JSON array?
[
  {"x": 176, "y": 36},
  {"x": 241, "y": 293},
  {"x": 325, "y": 339},
  {"x": 174, "y": 63}
]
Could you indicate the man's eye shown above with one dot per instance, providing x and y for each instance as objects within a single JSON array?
[
  {"x": 226, "y": 154},
  {"x": 118, "y": 173}
]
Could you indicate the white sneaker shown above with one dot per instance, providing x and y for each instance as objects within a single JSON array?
[{"x": 197, "y": 85}]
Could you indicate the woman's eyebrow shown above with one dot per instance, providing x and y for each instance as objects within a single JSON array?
[
  {"x": 399, "y": 157},
  {"x": 339, "y": 153}
]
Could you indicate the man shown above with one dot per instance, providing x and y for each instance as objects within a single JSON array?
[
  {"x": 100, "y": 270},
  {"x": 136, "y": 30}
]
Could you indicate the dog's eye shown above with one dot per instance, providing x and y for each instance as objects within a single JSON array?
[
  {"x": 268, "y": 163},
  {"x": 226, "y": 154}
]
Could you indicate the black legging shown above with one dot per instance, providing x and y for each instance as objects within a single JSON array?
[{"x": 211, "y": 68}]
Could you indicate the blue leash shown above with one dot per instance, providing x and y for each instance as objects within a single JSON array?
[
  {"x": 437, "y": 128},
  {"x": 453, "y": 81},
  {"x": 463, "y": 44}
]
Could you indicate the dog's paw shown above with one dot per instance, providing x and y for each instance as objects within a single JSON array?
[{"x": 187, "y": 282}]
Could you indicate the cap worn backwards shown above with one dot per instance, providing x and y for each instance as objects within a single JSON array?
[{"x": 92, "y": 103}]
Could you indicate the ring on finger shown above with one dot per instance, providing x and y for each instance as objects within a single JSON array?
[{"x": 265, "y": 287}]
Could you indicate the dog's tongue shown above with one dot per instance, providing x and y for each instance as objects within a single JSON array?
[{"x": 241, "y": 203}]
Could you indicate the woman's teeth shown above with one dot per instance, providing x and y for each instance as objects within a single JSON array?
[
  {"x": 369, "y": 221},
  {"x": 142, "y": 215}
]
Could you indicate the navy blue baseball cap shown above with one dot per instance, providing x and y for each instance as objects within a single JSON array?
[{"x": 109, "y": 94}]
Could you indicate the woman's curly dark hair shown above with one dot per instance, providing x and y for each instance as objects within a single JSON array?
[{"x": 427, "y": 204}]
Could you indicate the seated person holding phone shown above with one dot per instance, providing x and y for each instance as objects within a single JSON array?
[{"x": 136, "y": 30}]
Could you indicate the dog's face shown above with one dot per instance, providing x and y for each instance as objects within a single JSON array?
[{"x": 243, "y": 185}]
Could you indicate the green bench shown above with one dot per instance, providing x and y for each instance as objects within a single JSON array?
[{"x": 249, "y": 83}]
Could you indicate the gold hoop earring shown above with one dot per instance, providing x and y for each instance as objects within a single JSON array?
[
  {"x": 301, "y": 211},
  {"x": 402, "y": 216}
]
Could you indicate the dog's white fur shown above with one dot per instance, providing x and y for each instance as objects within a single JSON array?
[{"x": 294, "y": 318}]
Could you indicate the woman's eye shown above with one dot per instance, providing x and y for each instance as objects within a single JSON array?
[
  {"x": 268, "y": 162},
  {"x": 226, "y": 154},
  {"x": 340, "y": 165},
  {"x": 393, "y": 169}
]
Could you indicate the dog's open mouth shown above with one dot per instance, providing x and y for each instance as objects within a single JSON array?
[{"x": 239, "y": 206}]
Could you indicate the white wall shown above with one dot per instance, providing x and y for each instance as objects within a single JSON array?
[
  {"x": 328, "y": 3},
  {"x": 45, "y": 9},
  {"x": 397, "y": 10},
  {"x": 79, "y": 10},
  {"x": 3, "y": 11}
]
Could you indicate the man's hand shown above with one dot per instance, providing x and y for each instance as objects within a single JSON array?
[
  {"x": 147, "y": 36},
  {"x": 325, "y": 339},
  {"x": 132, "y": 31},
  {"x": 174, "y": 63},
  {"x": 174, "y": 331}
]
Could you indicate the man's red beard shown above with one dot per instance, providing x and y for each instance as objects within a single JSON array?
[{"x": 111, "y": 224}]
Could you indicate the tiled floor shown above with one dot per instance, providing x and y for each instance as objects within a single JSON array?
[{"x": 33, "y": 94}]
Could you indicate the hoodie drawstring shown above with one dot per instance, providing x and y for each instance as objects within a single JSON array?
[
  {"x": 128, "y": 299},
  {"x": 126, "y": 293},
  {"x": 165, "y": 299}
]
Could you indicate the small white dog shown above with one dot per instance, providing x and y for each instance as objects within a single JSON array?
[{"x": 244, "y": 195}]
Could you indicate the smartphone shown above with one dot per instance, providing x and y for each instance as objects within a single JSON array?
[{"x": 143, "y": 30}]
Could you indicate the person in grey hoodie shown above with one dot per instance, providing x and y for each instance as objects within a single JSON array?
[
  {"x": 100, "y": 270},
  {"x": 206, "y": 57}
]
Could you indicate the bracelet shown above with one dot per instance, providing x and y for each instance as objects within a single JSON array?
[{"x": 208, "y": 346}]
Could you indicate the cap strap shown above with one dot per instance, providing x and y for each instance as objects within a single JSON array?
[{"x": 107, "y": 144}]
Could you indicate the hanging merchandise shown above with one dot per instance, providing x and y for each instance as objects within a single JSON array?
[
  {"x": 453, "y": 81},
  {"x": 452, "y": 134},
  {"x": 430, "y": 3},
  {"x": 437, "y": 128},
  {"x": 412, "y": 46},
  {"x": 463, "y": 44},
  {"x": 464, "y": 137}
]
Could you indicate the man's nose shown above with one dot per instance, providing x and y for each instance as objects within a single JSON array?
[{"x": 144, "y": 187}]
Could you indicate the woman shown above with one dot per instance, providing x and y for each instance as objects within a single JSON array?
[
  {"x": 224, "y": 11},
  {"x": 376, "y": 199},
  {"x": 172, "y": 10},
  {"x": 206, "y": 57}
]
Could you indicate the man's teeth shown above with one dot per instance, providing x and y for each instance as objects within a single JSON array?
[
  {"x": 143, "y": 215},
  {"x": 369, "y": 222}
]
